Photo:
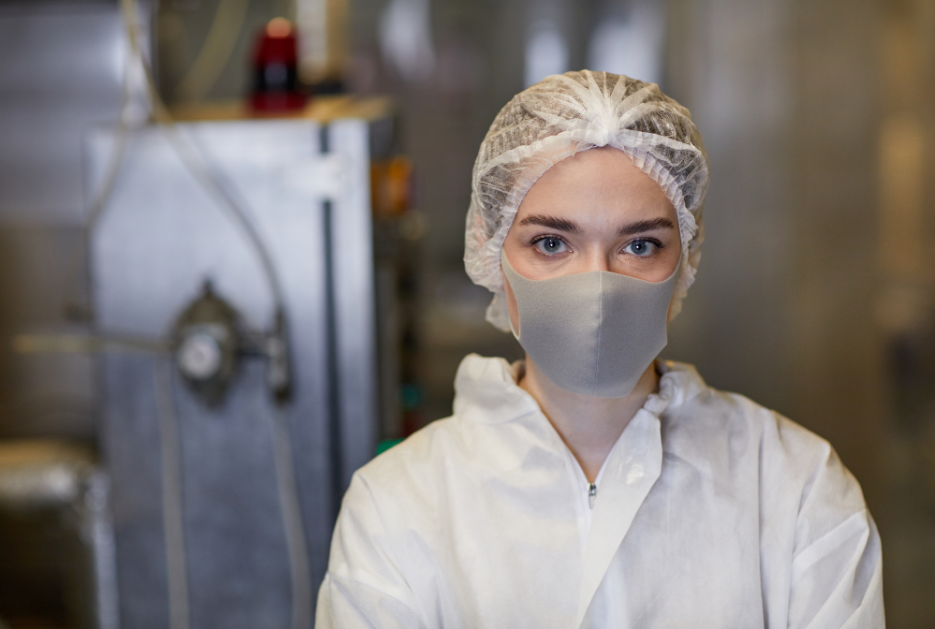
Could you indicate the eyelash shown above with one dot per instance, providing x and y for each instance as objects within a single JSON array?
[
  {"x": 546, "y": 236},
  {"x": 657, "y": 244}
]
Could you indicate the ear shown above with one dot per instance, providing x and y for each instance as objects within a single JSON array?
[{"x": 675, "y": 307}]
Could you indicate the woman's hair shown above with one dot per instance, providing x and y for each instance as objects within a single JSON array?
[{"x": 563, "y": 115}]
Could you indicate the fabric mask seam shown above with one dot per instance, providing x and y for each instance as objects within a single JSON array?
[{"x": 600, "y": 325}]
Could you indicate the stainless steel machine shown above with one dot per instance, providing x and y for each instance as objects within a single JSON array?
[{"x": 232, "y": 423}]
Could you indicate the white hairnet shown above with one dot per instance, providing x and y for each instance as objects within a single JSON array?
[{"x": 563, "y": 115}]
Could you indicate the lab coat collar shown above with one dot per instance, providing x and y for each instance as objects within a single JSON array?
[
  {"x": 679, "y": 382},
  {"x": 486, "y": 389}
]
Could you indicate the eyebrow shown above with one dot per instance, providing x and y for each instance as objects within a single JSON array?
[
  {"x": 561, "y": 224},
  {"x": 552, "y": 222},
  {"x": 646, "y": 226}
]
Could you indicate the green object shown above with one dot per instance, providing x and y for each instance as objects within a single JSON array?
[
  {"x": 386, "y": 444},
  {"x": 410, "y": 396}
]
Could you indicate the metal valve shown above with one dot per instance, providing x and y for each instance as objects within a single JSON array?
[{"x": 210, "y": 338}]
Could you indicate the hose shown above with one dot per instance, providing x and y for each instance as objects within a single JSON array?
[
  {"x": 172, "y": 508},
  {"x": 215, "y": 53},
  {"x": 169, "y": 434},
  {"x": 199, "y": 167},
  {"x": 293, "y": 523}
]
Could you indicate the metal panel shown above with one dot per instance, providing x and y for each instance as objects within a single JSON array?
[
  {"x": 41, "y": 395},
  {"x": 352, "y": 237},
  {"x": 61, "y": 65},
  {"x": 160, "y": 237},
  {"x": 61, "y": 68}
]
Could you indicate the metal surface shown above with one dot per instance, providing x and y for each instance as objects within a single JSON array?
[
  {"x": 159, "y": 239},
  {"x": 58, "y": 484},
  {"x": 354, "y": 295},
  {"x": 37, "y": 475},
  {"x": 61, "y": 67},
  {"x": 41, "y": 394},
  {"x": 97, "y": 533}
]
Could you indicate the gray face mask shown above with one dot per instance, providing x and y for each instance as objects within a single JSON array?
[{"x": 594, "y": 332}]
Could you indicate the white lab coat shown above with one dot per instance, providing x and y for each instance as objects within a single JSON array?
[{"x": 711, "y": 511}]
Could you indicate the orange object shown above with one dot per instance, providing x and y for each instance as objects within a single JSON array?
[{"x": 391, "y": 186}]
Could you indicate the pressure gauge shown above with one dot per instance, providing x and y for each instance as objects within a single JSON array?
[
  {"x": 208, "y": 339},
  {"x": 199, "y": 356}
]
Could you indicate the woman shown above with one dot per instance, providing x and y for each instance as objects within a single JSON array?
[{"x": 591, "y": 485}]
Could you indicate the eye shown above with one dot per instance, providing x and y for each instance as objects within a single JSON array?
[
  {"x": 642, "y": 248},
  {"x": 551, "y": 245}
]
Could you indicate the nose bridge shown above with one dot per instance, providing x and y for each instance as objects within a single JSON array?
[{"x": 596, "y": 259}]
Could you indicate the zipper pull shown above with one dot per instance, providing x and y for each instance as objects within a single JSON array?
[{"x": 592, "y": 494}]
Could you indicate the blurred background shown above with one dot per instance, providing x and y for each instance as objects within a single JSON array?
[{"x": 225, "y": 285}]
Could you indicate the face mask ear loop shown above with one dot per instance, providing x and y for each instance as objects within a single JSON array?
[
  {"x": 512, "y": 329},
  {"x": 678, "y": 270},
  {"x": 504, "y": 262}
]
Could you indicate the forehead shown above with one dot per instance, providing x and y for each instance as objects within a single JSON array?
[{"x": 600, "y": 184}]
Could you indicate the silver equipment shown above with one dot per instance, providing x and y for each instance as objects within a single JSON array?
[
  {"x": 61, "y": 69},
  {"x": 189, "y": 437},
  {"x": 54, "y": 484}
]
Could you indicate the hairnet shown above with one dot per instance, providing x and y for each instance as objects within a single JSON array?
[{"x": 563, "y": 115}]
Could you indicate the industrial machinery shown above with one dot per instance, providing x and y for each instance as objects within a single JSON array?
[
  {"x": 228, "y": 316},
  {"x": 259, "y": 383}
]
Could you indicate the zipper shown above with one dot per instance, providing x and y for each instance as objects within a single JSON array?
[{"x": 592, "y": 494}]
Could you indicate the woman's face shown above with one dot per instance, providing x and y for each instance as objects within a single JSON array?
[{"x": 594, "y": 211}]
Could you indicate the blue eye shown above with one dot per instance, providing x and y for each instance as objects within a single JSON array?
[
  {"x": 551, "y": 245},
  {"x": 641, "y": 248}
]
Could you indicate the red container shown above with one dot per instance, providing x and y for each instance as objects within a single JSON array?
[{"x": 275, "y": 70}]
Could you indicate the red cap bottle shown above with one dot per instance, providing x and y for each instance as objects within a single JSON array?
[{"x": 275, "y": 70}]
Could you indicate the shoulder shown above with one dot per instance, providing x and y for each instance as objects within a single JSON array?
[
  {"x": 486, "y": 400},
  {"x": 423, "y": 449},
  {"x": 797, "y": 473},
  {"x": 408, "y": 476},
  {"x": 778, "y": 487},
  {"x": 713, "y": 419}
]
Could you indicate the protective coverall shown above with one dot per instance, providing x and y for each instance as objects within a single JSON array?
[{"x": 710, "y": 511}]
